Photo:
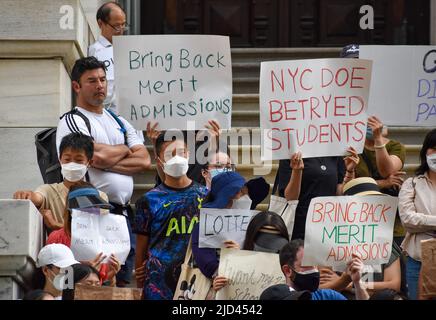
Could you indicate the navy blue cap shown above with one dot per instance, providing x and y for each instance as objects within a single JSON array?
[
  {"x": 224, "y": 187},
  {"x": 87, "y": 197},
  {"x": 350, "y": 51}
]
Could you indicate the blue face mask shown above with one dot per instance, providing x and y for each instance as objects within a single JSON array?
[
  {"x": 215, "y": 172},
  {"x": 369, "y": 135}
]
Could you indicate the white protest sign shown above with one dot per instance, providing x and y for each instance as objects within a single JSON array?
[
  {"x": 249, "y": 273},
  {"x": 106, "y": 55},
  {"x": 173, "y": 80},
  {"x": 403, "y": 86},
  {"x": 336, "y": 227},
  {"x": 317, "y": 107},
  {"x": 93, "y": 233},
  {"x": 219, "y": 225}
]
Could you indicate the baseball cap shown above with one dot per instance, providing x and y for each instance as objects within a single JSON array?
[
  {"x": 284, "y": 292},
  {"x": 86, "y": 197},
  {"x": 361, "y": 187},
  {"x": 267, "y": 241},
  {"x": 56, "y": 254},
  {"x": 350, "y": 51},
  {"x": 223, "y": 188}
]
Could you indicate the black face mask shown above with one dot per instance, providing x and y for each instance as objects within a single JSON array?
[{"x": 306, "y": 281}]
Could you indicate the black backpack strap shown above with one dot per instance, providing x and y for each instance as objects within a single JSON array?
[
  {"x": 276, "y": 183},
  {"x": 71, "y": 123},
  {"x": 120, "y": 123}
]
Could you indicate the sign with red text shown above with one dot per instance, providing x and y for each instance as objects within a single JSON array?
[
  {"x": 249, "y": 273},
  {"x": 337, "y": 227},
  {"x": 403, "y": 86},
  {"x": 317, "y": 107},
  {"x": 179, "y": 81}
]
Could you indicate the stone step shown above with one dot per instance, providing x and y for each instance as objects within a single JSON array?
[{"x": 246, "y": 84}]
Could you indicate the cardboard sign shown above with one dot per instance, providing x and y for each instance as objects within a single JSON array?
[
  {"x": 403, "y": 86},
  {"x": 336, "y": 227},
  {"x": 317, "y": 107},
  {"x": 249, "y": 273},
  {"x": 86, "y": 292},
  {"x": 173, "y": 80},
  {"x": 219, "y": 225},
  {"x": 428, "y": 269},
  {"x": 93, "y": 233}
]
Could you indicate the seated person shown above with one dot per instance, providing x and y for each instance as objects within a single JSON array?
[{"x": 82, "y": 274}]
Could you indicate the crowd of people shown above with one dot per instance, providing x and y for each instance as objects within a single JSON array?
[{"x": 98, "y": 161}]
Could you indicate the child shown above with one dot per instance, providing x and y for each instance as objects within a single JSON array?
[
  {"x": 76, "y": 152},
  {"x": 165, "y": 218}
]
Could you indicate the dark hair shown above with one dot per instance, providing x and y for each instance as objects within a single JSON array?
[
  {"x": 387, "y": 294},
  {"x": 288, "y": 254},
  {"x": 162, "y": 139},
  {"x": 85, "y": 64},
  {"x": 429, "y": 142},
  {"x": 80, "y": 272},
  {"x": 77, "y": 142},
  {"x": 37, "y": 294},
  {"x": 262, "y": 219},
  {"x": 105, "y": 10}
]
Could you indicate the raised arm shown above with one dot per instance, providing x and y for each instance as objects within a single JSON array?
[{"x": 292, "y": 191}]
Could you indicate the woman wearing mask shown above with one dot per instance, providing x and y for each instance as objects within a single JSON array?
[
  {"x": 85, "y": 197},
  {"x": 417, "y": 207},
  {"x": 53, "y": 259}
]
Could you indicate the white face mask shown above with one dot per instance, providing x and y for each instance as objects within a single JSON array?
[
  {"x": 176, "y": 167},
  {"x": 243, "y": 202},
  {"x": 58, "y": 280},
  {"x": 74, "y": 171},
  {"x": 431, "y": 161}
]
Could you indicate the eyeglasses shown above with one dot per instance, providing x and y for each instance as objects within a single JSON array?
[{"x": 119, "y": 28}]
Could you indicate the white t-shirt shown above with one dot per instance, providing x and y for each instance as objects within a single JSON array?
[
  {"x": 103, "y": 50},
  {"x": 105, "y": 130}
]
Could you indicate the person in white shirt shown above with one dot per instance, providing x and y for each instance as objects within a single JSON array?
[
  {"x": 118, "y": 152},
  {"x": 112, "y": 22}
]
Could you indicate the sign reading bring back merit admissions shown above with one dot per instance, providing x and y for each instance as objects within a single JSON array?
[
  {"x": 174, "y": 79},
  {"x": 337, "y": 227},
  {"x": 317, "y": 107}
]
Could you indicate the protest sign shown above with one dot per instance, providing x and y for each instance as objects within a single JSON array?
[
  {"x": 219, "y": 225},
  {"x": 337, "y": 227},
  {"x": 428, "y": 270},
  {"x": 249, "y": 273},
  {"x": 173, "y": 80},
  {"x": 317, "y": 107},
  {"x": 403, "y": 85},
  {"x": 93, "y": 233},
  {"x": 87, "y": 292}
]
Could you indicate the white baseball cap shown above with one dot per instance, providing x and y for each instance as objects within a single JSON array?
[{"x": 56, "y": 254}]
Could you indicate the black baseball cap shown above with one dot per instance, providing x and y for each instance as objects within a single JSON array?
[{"x": 284, "y": 292}]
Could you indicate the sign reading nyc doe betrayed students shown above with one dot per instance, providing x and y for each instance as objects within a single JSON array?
[
  {"x": 173, "y": 79},
  {"x": 337, "y": 227},
  {"x": 317, "y": 107}
]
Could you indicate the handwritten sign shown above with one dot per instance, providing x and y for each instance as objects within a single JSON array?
[
  {"x": 219, "y": 225},
  {"x": 403, "y": 88},
  {"x": 92, "y": 234},
  {"x": 317, "y": 107},
  {"x": 336, "y": 227},
  {"x": 174, "y": 79},
  {"x": 249, "y": 273}
]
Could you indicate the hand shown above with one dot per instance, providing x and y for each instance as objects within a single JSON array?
[
  {"x": 354, "y": 268},
  {"x": 24, "y": 195},
  {"x": 140, "y": 275},
  {"x": 152, "y": 133},
  {"x": 395, "y": 181},
  {"x": 219, "y": 282},
  {"x": 297, "y": 162},
  {"x": 114, "y": 267},
  {"x": 230, "y": 244},
  {"x": 377, "y": 127},
  {"x": 96, "y": 262},
  {"x": 351, "y": 160},
  {"x": 49, "y": 220},
  {"x": 214, "y": 128},
  {"x": 327, "y": 275}
]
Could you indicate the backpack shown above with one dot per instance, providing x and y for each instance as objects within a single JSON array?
[{"x": 46, "y": 152}]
